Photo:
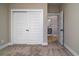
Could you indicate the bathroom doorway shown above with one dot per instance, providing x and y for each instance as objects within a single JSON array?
[
  {"x": 55, "y": 28},
  {"x": 52, "y": 28}
]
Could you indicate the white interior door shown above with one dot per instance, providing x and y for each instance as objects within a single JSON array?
[
  {"x": 27, "y": 27},
  {"x": 61, "y": 30},
  {"x": 19, "y": 25},
  {"x": 35, "y": 27}
]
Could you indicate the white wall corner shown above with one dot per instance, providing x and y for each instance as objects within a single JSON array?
[
  {"x": 72, "y": 51},
  {"x": 5, "y": 45}
]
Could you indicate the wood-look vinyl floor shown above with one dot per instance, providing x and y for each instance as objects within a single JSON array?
[{"x": 53, "y": 49}]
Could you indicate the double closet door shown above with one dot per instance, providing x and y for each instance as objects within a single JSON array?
[{"x": 27, "y": 27}]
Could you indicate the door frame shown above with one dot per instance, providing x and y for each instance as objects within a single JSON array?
[
  {"x": 58, "y": 14},
  {"x": 11, "y": 14}
]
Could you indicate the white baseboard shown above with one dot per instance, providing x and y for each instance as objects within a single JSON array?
[
  {"x": 45, "y": 43},
  {"x": 28, "y": 43},
  {"x": 72, "y": 51},
  {"x": 5, "y": 45}
]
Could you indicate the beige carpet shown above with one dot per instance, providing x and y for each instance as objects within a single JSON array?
[{"x": 53, "y": 49}]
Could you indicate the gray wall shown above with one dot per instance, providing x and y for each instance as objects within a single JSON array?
[
  {"x": 71, "y": 26},
  {"x": 54, "y": 7},
  {"x": 4, "y": 24}
]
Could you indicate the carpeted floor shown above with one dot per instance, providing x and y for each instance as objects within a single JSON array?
[{"x": 53, "y": 49}]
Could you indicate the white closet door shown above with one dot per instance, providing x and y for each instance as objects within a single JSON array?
[
  {"x": 19, "y": 26},
  {"x": 35, "y": 27},
  {"x": 27, "y": 27}
]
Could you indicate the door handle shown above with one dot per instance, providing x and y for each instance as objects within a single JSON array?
[
  {"x": 61, "y": 30},
  {"x": 27, "y": 29}
]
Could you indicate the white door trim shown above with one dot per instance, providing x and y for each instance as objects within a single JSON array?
[
  {"x": 14, "y": 10},
  {"x": 26, "y": 10}
]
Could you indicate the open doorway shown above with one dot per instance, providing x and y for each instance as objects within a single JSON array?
[
  {"x": 55, "y": 28},
  {"x": 52, "y": 28},
  {"x": 55, "y": 23}
]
